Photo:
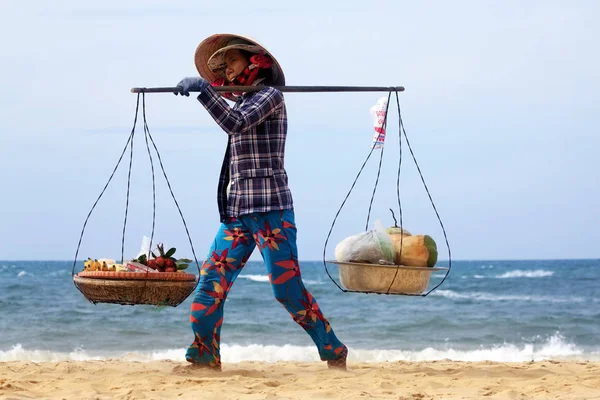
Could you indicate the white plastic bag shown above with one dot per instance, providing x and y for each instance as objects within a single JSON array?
[
  {"x": 145, "y": 248},
  {"x": 367, "y": 247}
]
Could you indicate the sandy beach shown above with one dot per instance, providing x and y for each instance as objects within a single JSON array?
[{"x": 112, "y": 379}]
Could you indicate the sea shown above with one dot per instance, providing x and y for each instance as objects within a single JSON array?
[{"x": 506, "y": 311}]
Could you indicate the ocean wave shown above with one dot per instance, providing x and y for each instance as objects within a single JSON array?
[
  {"x": 18, "y": 353},
  {"x": 255, "y": 278},
  {"x": 265, "y": 278},
  {"x": 538, "y": 273},
  {"x": 482, "y": 296},
  {"x": 554, "y": 348}
]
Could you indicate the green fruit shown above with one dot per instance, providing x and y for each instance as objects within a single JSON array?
[{"x": 432, "y": 249}]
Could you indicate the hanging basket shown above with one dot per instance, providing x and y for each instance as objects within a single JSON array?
[
  {"x": 131, "y": 288},
  {"x": 385, "y": 279}
]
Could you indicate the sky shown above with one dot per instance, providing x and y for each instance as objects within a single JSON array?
[{"x": 500, "y": 109}]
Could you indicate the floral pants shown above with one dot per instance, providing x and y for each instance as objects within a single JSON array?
[{"x": 274, "y": 233}]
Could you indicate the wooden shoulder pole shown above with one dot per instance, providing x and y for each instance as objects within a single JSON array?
[{"x": 290, "y": 89}]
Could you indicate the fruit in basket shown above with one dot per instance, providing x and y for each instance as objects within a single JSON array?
[
  {"x": 92, "y": 265},
  {"x": 160, "y": 264},
  {"x": 102, "y": 264},
  {"x": 170, "y": 263},
  {"x": 398, "y": 235},
  {"x": 119, "y": 267},
  {"x": 396, "y": 230},
  {"x": 163, "y": 261},
  {"x": 417, "y": 250},
  {"x": 412, "y": 250},
  {"x": 88, "y": 264}
]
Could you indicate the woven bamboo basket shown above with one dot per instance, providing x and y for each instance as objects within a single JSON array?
[
  {"x": 379, "y": 278},
  {"x": 131, "y": 288}
]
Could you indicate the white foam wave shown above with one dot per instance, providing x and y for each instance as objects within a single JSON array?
[
  {"x": 482, "y": 296},
  {"x": 538, "y": 273},
  {"x": 23, "y": 273},
  {"x": 18, "y": 353},
  {"x": 478, "y": 276},
  {"x": 265, "y": 278},
  {"x": 556, "y": 347},
  {"x": 255, "y": 278}
]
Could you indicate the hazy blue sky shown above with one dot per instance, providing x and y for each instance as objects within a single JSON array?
[{"x": 501, "y": 108}]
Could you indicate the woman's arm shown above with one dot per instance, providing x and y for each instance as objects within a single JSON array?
[{"x": 263, "y": 103}]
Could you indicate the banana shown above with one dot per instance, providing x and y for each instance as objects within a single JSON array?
[{"x": 103, "y": 264}]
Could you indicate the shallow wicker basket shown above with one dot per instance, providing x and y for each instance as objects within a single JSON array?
[
  {"x": 376, "y": 278},
  {"x": 131, "y": 288}
]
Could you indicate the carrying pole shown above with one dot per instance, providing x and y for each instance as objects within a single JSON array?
[{"x": 291, "y": 89}]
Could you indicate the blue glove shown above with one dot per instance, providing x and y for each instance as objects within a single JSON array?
[{"x": 195, "y": 84}]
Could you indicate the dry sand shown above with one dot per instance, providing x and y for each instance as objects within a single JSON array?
[{"x": 113, "y": 379}]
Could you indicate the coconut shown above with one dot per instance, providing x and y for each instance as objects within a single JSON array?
[
  {"x": 417, "y": 250},
  {"x": 398, "y": 236}
]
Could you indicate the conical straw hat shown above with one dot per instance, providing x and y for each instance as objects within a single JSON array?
[{"x": 209, "y": 56}]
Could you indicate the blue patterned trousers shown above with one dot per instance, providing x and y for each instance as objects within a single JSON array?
[{"x": 274, "y": 233}]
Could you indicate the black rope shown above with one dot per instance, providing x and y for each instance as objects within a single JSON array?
[
  {"x": 171, "y": 190},
  {"x": 401, "y": 131},
  {"x": 146, "y": 134},
  {"x": 344, "y": 202},
  {"x": 430, "y": 199},
  {"x": 104, "y": 189},
  {"x": 127, "y": 198},
  {"x": 398, "y": 196}
]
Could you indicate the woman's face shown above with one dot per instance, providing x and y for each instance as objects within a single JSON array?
[{"x": 235, "y": 62}]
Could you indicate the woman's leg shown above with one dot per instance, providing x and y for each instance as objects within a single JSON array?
[
  {"x": 231, "y": 248},
  {"x": 275, "y": 235}
]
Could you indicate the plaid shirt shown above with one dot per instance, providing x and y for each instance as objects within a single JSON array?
[{"x": 254, "y": 159}]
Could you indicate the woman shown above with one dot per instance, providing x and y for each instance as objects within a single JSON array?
[{"x": 255, "y": 202}]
